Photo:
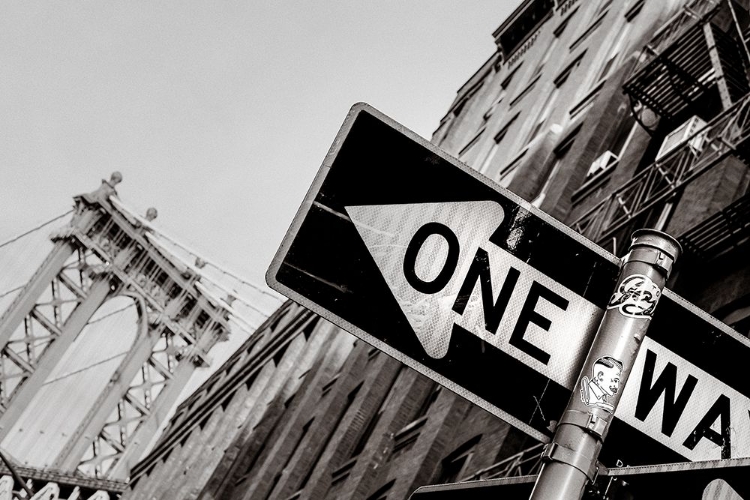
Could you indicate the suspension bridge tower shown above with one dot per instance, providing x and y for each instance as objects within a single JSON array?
[{"x": 80, "y": 394}]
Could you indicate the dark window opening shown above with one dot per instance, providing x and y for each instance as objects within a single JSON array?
[
  {"x": 455, "y": 465},
  {"x": 372, "y": 424},
  {"x": 428, "y": 401},
  {"x": 279, "y": 354},
  {"x": 314, "y": 464},
  {"x": 273, "y": 485},
  {"x": 307, "y": 331},
  {"x": 382, "y": 492}
]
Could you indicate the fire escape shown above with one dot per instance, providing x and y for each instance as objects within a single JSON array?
[{"x": 696, "y": 63}]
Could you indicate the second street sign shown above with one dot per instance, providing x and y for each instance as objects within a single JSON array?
[{"x": 422, "y": 257}]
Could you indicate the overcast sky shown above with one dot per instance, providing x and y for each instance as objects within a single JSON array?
[{"x": 216, "y": 113}]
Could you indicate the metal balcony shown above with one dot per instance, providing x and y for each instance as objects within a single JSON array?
[
  {"x": 727, "y": 134},
  {"x": 699, "y": 50}
]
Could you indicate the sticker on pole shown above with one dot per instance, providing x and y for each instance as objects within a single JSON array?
[
  {"x": 636, "y": 297},
  {"x": 600, "y": 390}
]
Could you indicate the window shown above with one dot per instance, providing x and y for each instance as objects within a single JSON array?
[
  {"x": 382, "y": 492},
  {"x": 506, "y": 83},
  {"x": 623, "y": 136},
  {"x": 598, "y": 18},
  {"x": 609, "y": 158},
  {"x": 367, "y": 433},
  {"x": 494, "y": 105},
  {"x": 614, "y": 53},
  {"x": 329, "y": 385},
  {"x": 604, "y": 6},
  {"x": 543, "y": 61},
  {"x": 507, "y": 173},
  {"x": 305, "y": 429},
  {"x": 314, "y": 464},
  {"x": 373, "y": 423},
  {"x": 549, "y": 103},
  {"x": 564, "y": 23},
  {"x": 582, "y": 106},
  {"x": 560, "y": 152},
  {"x": 501, "y": 94},
  {"x": 525, "y": 91},
  {"x": 540, "y": 66},
  {"x": 279, "y": 354},
  {"x": 455, "y": 465},
  {"x": 428, "y": 401},
  {"x": 496, "y": 146},
  {"x": 275, "y": 481},
  {"x": 307, "y": 331},
  {"x": 405, "y": 438},
  {"x": 473, "y": 142}
]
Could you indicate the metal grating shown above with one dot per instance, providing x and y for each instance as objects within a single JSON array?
[
  {"x": 685, "y": 60},
  {"x": 726, "y": 135}
]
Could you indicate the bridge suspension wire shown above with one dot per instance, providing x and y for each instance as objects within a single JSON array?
[
  {"x": 88, "y": 367},
  {"x": 222, "y": 270},
  {"x": 34, "y": 229},
  {"x": 120, "y": 206},
  {"x": 8, "y": 292},
  {"x": 102, "y": 318}
]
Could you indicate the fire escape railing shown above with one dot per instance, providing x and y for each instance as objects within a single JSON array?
[
  {"x": 696, "y": 12},
  {"x": 723, "y": 136},
  {"x": 523, "y": 463}
]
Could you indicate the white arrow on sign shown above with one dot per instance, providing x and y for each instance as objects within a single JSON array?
[
  {"x": 431, "y": 256},
  {"x": 442, "y": 268}
]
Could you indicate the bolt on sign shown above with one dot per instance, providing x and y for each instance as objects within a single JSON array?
[{"x": 426, "y": 259}]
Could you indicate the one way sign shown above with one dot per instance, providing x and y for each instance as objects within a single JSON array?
[{"x": 422, "y": 257}]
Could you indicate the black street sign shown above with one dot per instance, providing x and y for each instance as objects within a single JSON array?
[
  {"x": 508, "y": 488},
  {"x": 424, "y": 258},
  {"x": 718, "y": 480}
]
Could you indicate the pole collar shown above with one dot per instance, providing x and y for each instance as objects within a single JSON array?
[
  {"x": 586, "y": 421},
  {"x": 558, "y": 453},
  {"x": 654, "y": 247}
]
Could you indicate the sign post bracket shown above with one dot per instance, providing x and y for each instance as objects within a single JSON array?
[{"x": 570, "y": 460}]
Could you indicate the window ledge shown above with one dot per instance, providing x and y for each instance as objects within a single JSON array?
[
  {"x": 525, "y": 91},
  {"x": 410, "y": 427},
  {"x": 578, "y": 41},
  {"x": 634, "y": 10},
  {"x": 472, "y": 141},
  {"x": 587, "y": 99},
  {"x": 344, "y": 469}
]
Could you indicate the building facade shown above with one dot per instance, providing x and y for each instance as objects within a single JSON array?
[{"x": 609, "y": 115}]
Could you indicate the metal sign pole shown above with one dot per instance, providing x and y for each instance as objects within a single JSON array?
[{"x": 570, "y": 459}]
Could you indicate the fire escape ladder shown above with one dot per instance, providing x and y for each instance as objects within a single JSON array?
[
  {"x": 694, "y": 54},
  {"x": 698, "y": 58}
]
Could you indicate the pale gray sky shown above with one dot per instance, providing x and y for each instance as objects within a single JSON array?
[{"x": 216, "y": 113}]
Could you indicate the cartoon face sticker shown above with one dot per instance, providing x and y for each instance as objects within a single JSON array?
[
  {"x": 599, "y": 390},
  {"x": 636, "y": 297}
]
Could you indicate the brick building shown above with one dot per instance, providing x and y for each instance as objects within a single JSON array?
[{"x": 608, "y": 114}]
